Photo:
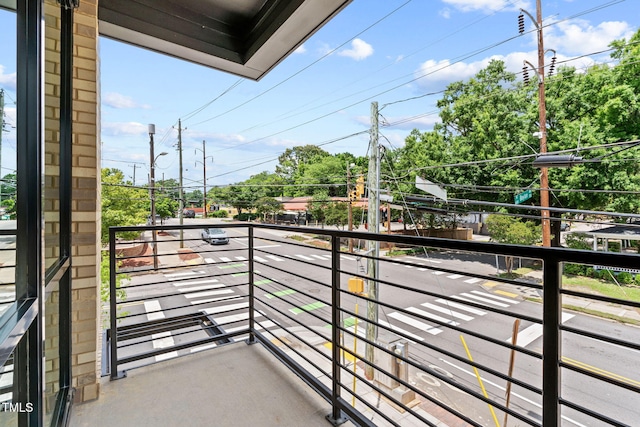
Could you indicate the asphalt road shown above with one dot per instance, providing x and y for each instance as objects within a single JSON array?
[{"x": 295, "y": 279}]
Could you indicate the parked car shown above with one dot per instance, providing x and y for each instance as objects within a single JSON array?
[
  {"x": 215, "y": 236},
  {"x": 188, "y": 213},
  {"x": 565, "y": 226}
]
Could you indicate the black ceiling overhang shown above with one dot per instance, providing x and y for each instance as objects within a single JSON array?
[{"x": 243, "y": 37}]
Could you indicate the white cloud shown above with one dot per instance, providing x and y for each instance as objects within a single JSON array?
[
  {"x": 123, "y": 129},
  {"x": 488, "y": 5},
  {"x": 579, "y": 37},
  {"x": 7, "y": 81},
  {"x": 445, "y": 13},
  {"x": 117, "y": 100},
  {"x": 359, "y": 50},
  {"x": 300, "y": 49}
]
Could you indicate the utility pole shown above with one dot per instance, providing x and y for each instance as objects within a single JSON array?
[
  {"x": 542, "y": 119},
  {"x": 152, "y": 130},
  {"x": 349, "y": 207},
  {"x": 373, "y": 222},
  {"x": 134, "y": 166},
  {"x": 181, "y": 204},
  {"x": 204, "y": 180},
  {"x": 1, "y": 130}
]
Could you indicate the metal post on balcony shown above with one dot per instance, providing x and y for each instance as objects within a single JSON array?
[
  {"x": 252, "y": 335},
  {"x": 113, "y": 310},
  {"x": 335, "y": 417},
  {"x": 551, "y": 344}
]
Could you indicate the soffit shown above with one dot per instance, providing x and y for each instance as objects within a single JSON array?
[{"x": 243, "y": 37}]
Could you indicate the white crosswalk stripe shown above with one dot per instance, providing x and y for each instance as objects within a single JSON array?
[
  {"x": 447, "y": 311},
  {"x": 209, "y": 261},
  {"x": 397, "y": 329},
  {"x": 461, "y": 307},
  {"x": 320, "y": 257},
  {"x": 472, "y": 280},
  {"x": 475, "y": 298},
  {"x": 438, "y": 273},
  {"x": 304, "y": 257},
  {"x": 228, "y": 307},
  {"x": 431, "y": 316},
  {"x": 240, "y": 258},
  {"x": 209, "y": 293},
  {"x": 415, "y": 323},
  {"x": 195, "y": 282},
  {"x": 225, "y": 259},
  {"x": 455, "y": 276},
  {"x": 503, "y": 299},
  {"x": 262, "y": 260},
  {"x": 348, "y": 258},
  {"x": 275, "y": 258},
  {"x": 183, "y": 274}
]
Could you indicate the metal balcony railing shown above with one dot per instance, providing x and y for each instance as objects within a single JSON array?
[{"x": 439, "y": 334}]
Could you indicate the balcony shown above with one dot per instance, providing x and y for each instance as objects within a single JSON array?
[{"x": 283, "y": 326}]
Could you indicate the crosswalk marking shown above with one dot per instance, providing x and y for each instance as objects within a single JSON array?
[
  {"x": 348, "y": 258},
  {"x": 485, "y": 294},
  {"x": 447, "y": 311},
  {"x": 186, "y": 273},
  {"x": 225, "y": 259},
  {"x": 203, "y": 347},
  {"x": 486, "y": 300},
  {"x": 195, "y": 282},
  {"x": 408, "y": 266},
  {"x": 202, "y": 288},
  {"x": 425, "y": 259},
  {"x": 397, "y": 329},
  {"x": 257, "y": 258},
  {"x": 415, "y": 323},
  {"x": 209, "y": 261},
  {"x": 306, "y": 258},
  {"x": 209, "y": 293},
  {"x": 455, "y": 276},
  {"x": 472, "y": 280},
  {"x": 533, "y": 332},
  {"x": 438, "y": 273},
  {"x": 229, "y": 307},
  {"x": 320, "y": 257},
  {"x": 207, "y": 300},
  {"x": 275, "y": 258},
  {"x": 240, "y": 258},
  {"x": 462, "y": 307},
  {"x": 431, "y": 316},
  {"x": 163, "y": 339},
  {"x": 153, "y": 306}
]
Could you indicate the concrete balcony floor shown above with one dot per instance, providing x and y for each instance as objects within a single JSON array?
[{"x": 235, "y": 385}]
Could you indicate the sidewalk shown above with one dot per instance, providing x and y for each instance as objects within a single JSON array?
[{"x": 592, "y": 306}]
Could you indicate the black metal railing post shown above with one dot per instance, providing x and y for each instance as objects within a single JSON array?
[
  {"x": 551, "y": 344},
  {"x": 335, "y": 417},
  {"x": 252, "y": 328},
  {"x": 113, "y": 310}
]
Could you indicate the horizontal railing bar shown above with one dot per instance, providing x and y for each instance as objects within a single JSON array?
[
  {"x": 600, "y": 377},
  {"x": 591, "y": 413},
  {"x": 600, "y": 298},
  {"x": 498, "y": 342},
  {"x": 442, "y": 351},
  {"x": 293, "y": 319},
  {"x": 178, "y": 347},
  {"x": 162, "y": 296},
  {"x": 446, "y": 270},
  {"x": 186, "y": 279},
  {"x": 521, "y": 316},
  {"x": 610, "y": 340}
]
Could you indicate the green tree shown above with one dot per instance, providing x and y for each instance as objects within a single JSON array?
[
  {"x": 267, "y": 206},
  {"x": 317, "y": 207},
  {"x": 166, "y": 207},
  {"x": 122, "y": 204},
  {"x": 337, "y": 214},
  {"x": 507, "y": 229}
]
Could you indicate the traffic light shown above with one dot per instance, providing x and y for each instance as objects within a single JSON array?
[
  {"x": 360, "y": 186},
  {"x": 353, "y": 195}
]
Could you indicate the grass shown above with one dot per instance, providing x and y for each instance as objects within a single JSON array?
[
  {"x": 629, "y": 293},
  {"x": 601, "y": 314},
  {"x": 297, "y": 237}
]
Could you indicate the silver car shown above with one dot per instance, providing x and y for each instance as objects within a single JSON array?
[{"x": 215, "y": 236}]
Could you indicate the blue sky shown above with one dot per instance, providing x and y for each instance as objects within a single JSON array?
[{"x": 375, "y": 50}]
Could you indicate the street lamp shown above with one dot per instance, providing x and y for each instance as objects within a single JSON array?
[{"x": 152, "y": 195}]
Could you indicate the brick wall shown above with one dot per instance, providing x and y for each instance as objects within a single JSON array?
[{"x": 85, "y": 205}]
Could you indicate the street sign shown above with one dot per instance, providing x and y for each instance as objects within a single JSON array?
[{"x": 522, "y": 197}]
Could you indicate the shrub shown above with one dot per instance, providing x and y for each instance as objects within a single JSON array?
[
  {"x": 637, "y": 279},
  {"x": 578, "y": 241},
  {"x": 625, "y": 278},
  {"x": 218, "y": 214},
  {"x": 245, "y": 216},
  {"x": 575, "y": 269}
]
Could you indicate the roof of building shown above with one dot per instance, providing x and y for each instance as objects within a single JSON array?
[
  {"x": 624, "y": 232},
  {"x": 243, "y": 37}
]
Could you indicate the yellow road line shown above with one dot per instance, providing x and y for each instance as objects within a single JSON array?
[
  {"x": 506, "y": 294},
  {"x": 490, "y": 284},
  {"x": 602, "y": 372}
]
